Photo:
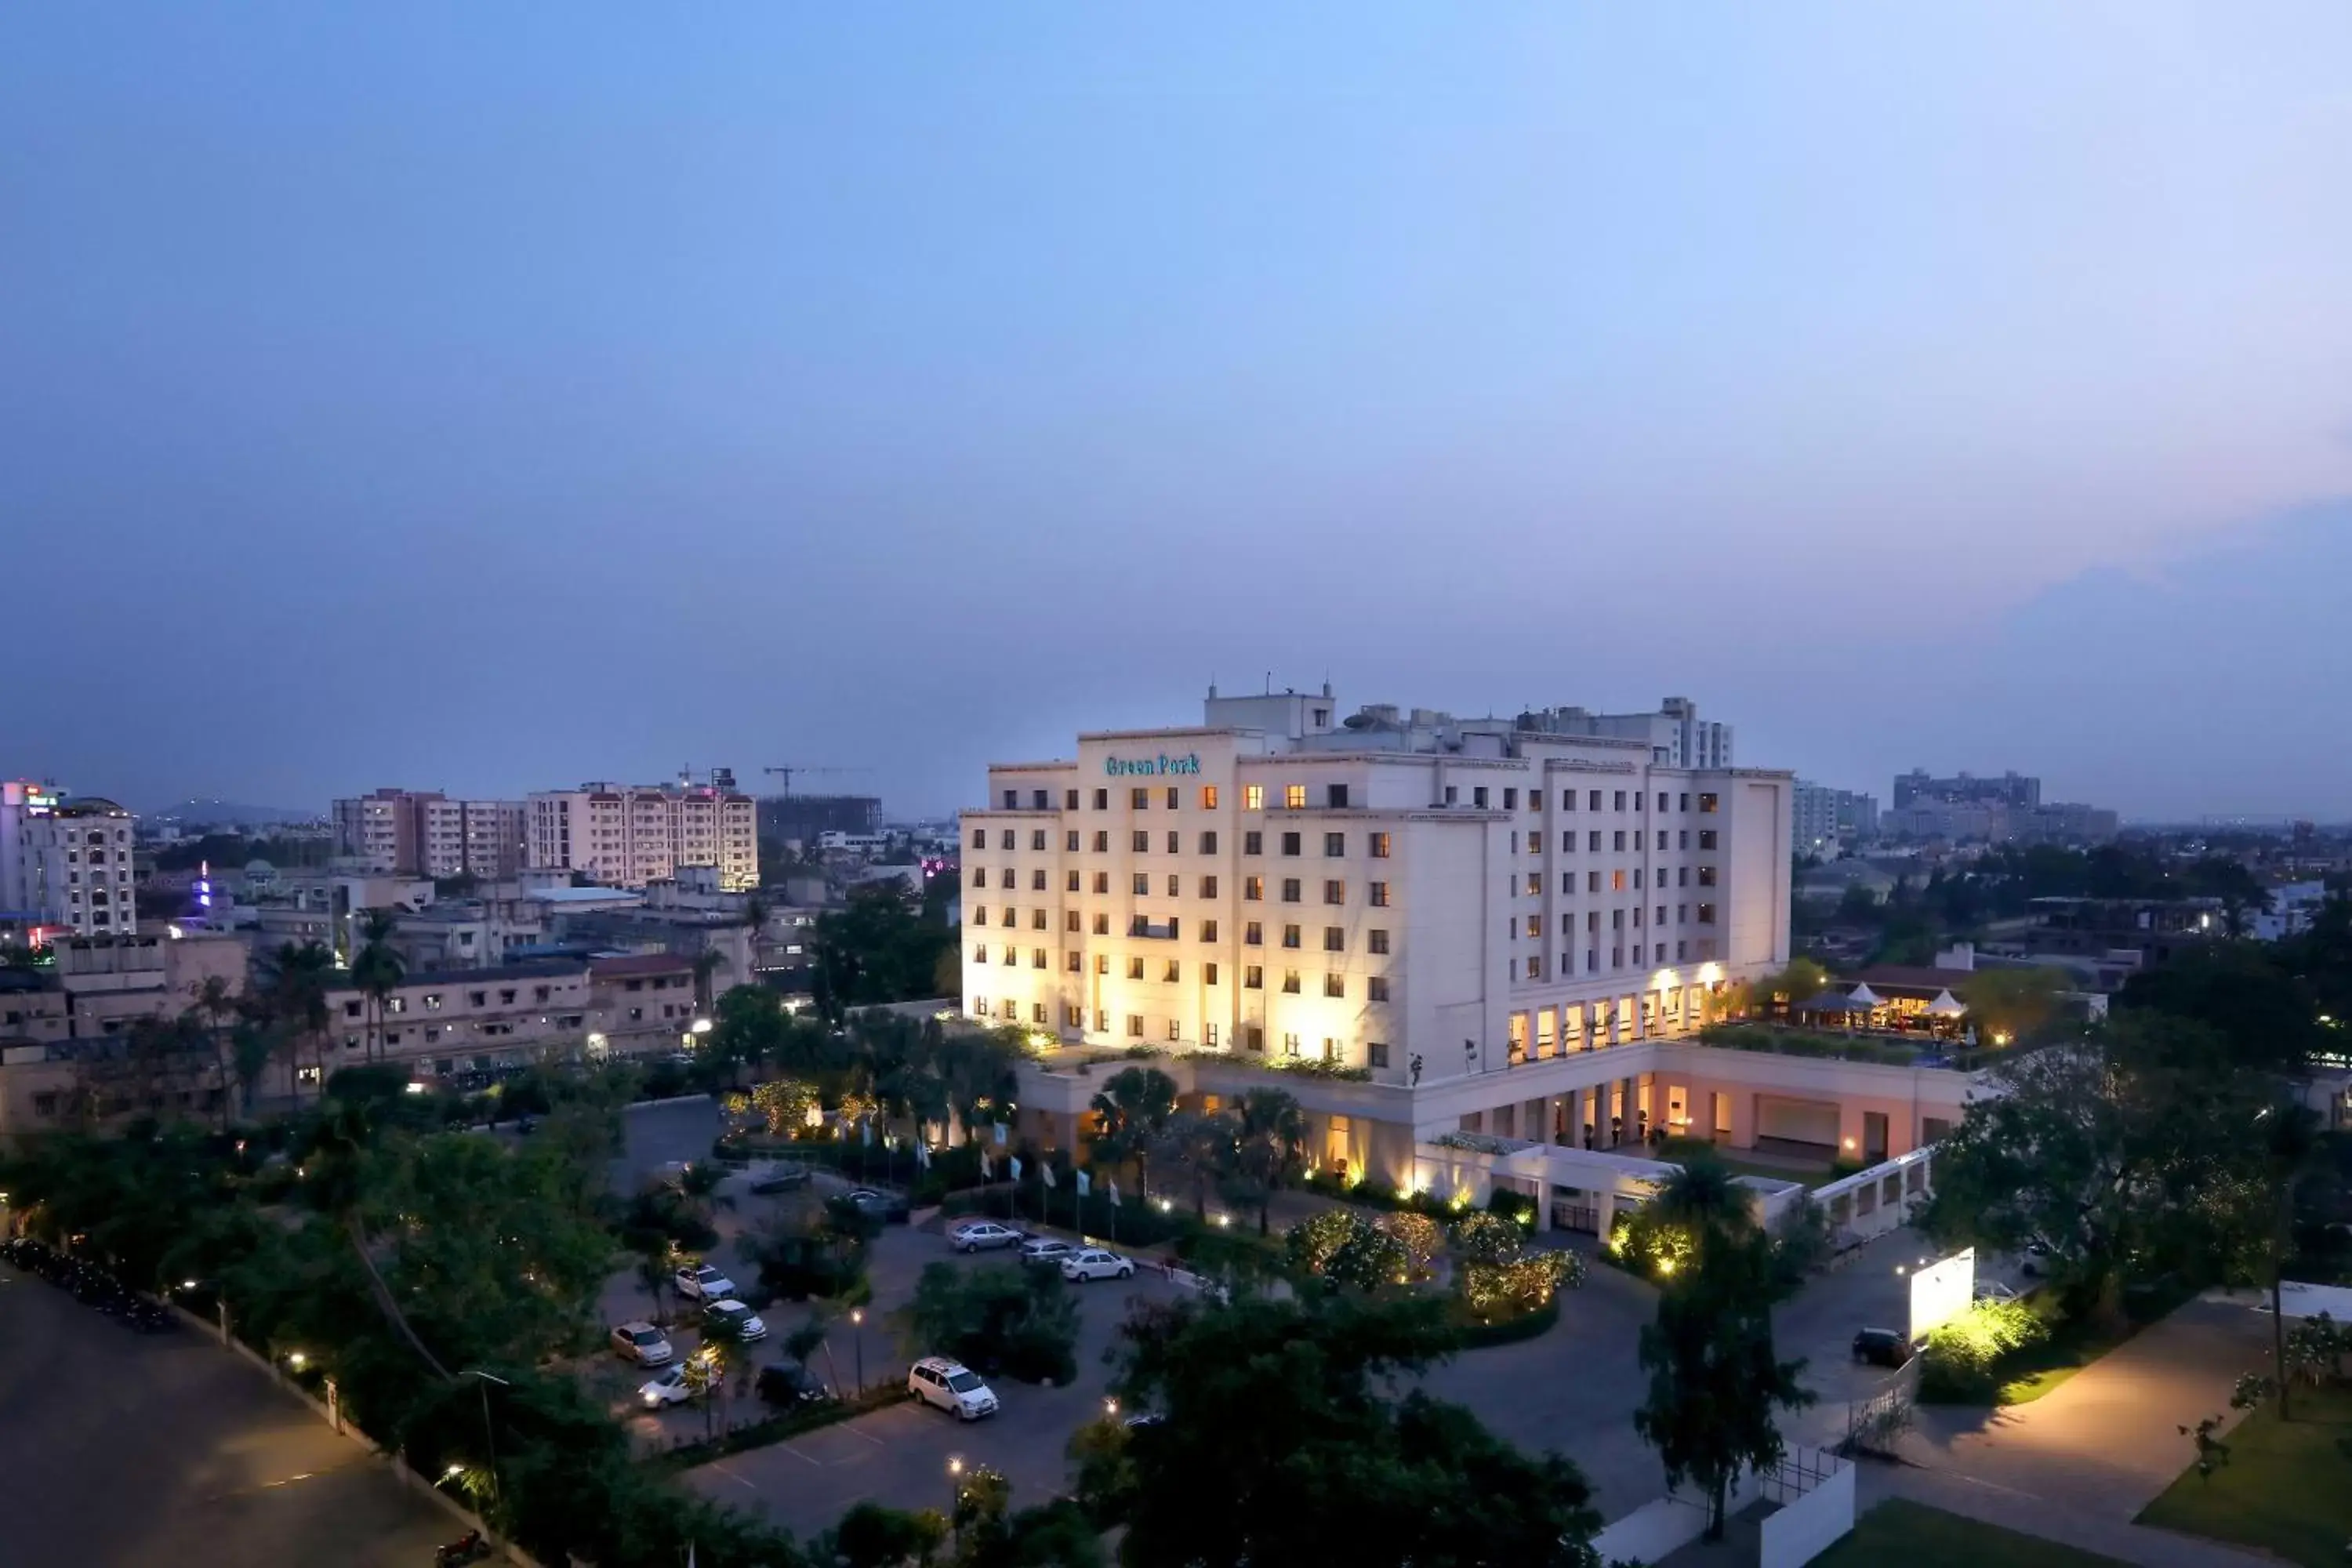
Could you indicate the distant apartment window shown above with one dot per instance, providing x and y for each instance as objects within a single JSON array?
[
  {"x": 1706, "y": 914},
  {"x": 1706, "y": 876},
  {"x": 1335, "y": 843},
  {"x": 1290, "y": 890},
  {"x": 980, "y": 838},
  {"x": 1450, "y": 794},
  {"x": 1376, "y": 1052},
  {"x": 1377, "y": 845},
  {"x": 1140, "y": 883},
  {"x": 1252, "y": 798},
  {"x": 1139, "y": 841},
  {"x": 1070, "y": 842},
  {"x": 1335, "y": 985},
  {"x": 1290, "y": 982},
  {"x": 1208, "y": 797},
  {"x": 1174, "y": 798},
  {"x": 1535, "y": 926},
  {"x": 1336, "y": 796},
  {"x": 1102, "y": 963},
  {"x": 1102, "y": 924},
  {"x": 1070, "y": 922},
  {"x": 1209, "y": 843},
  {"x": 1535, "y": 967},
  {"x": 1618, "y": 842},
  {"x": 1534, "y": 884},
  {"x": 1037, "y": 799},
  {"x": 1616, "y": 881},
  {"x": 980, "y": 952},
  {"x": 1170, "y": 972},
  {"x": 476, "y": 998},
  {"x": 1208, "y": 886},
  {"x": 1070, "y": 881},
  {"x": 1252, "y": 978},
  {"x": 1102, "y": 800},
  {"x": 1252, "y": 843},
  {"x": 1290, "y": 844},
  {"x": 1175, "y": 887},
  {"x": 1478, "y": 796},
  {"x": 1036, "y": 838},
  {"x": 1037, "y": 920},
  {"x": 1376, "y": 940},
  {"x": 1102, "y": 843},
  {"x": 1637, "y": 876},
  {"x": 1252, "y": 888},
  {"x": 1037, "y": 880},
  {"x": 1592, "y": 920},
  {"x": 1252, "y": 934},
  {"x": 1334, "y": 892},
  {"x": 979, "y": 915},
  {"x": 1069, "y": 800},
  {"x": 1294, "y": 796},
  {"x": 1616, "y": 920},
  {"x": 1209, "y": 977},
  {"x": 1376, "y": 895},
  {"x": 1012, "y": 800},
  {"x": 1682, "y": 951},
  {"x": 1707, "y": 837},
  {"x": 1102, "y": 881},
  {"x": 1139, "y": 799},
  {"x": 1616, "y": 958},
  {"x": 1706, "y": 803},
  {"x": 1290, "y": 1044},
  {"x": 1208, "y": 931},
  {"x": 1036, "y": 958},
  {"x": 1335, "y": 938},
  {"x": 1209, "y": 1031},
  {"x": 1290, "y": 936},
  {"x": 1135, "y": 1024}
]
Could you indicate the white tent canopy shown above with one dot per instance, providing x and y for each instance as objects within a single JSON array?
[
  {"x": 1947, "y": 1005},
  {"x": 1864, "y": 993}
]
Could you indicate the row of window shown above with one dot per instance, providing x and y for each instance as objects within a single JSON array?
[
  {"x": 1248, "y": 1037},
  {"x": 1335, "y": 938},
  {"x": 1376, "y": 845},
  {"x": 1336, "y": 798},
  {"x": 1335, "y": 889},
  {"x": 1685, "y": 952},
  {"x": 1170, "y": 972},
  {"x": 1533, "y": 924},
  {"x": 1618, "y": 880}
]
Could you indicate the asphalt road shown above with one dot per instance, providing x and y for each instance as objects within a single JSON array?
[{"x": 166, "y": 1451}]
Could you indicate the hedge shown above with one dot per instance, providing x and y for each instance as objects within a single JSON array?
[
  {"x": 1478, "y": 1335},
  {"x": 776, "y": 1428}
]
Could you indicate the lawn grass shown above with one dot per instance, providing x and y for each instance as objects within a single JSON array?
[
  {"x": 2033, "y": 1371},
  {"x": 2282, "y": 1488},
  {"x": 1899, "y": 1530}
]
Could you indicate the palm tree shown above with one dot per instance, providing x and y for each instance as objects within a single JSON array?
[
  {"x": 1131, "y": 1111},
  {"x": 217, "y": 1002},
  {"x": 1269, "y": 1146},
  {"x": 1201, "y": 1145},
  {"x": 1704, "y": 1198},
  {"x": 709, "y": 960},
  {"x": 298, "y": 1002},
  {"x": 376, "y": 969}
]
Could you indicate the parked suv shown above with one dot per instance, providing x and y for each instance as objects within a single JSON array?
[
  {"x": 950, "y": 1386},
  {"x": 1883, "y": 1347},
  {"x": 642, "y": 1343}
]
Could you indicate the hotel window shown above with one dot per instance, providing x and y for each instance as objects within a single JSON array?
[
  {"x": 1036, "y": 958},
  {"x": 1706, "y": 876},
  {"x": 1616, "y": 920},
  {"x": 1012, "y": 800},
  {"x": 1707, "y": 837},
  {"x": 1336, "y": 796},
  {"x": 1102, "y": 843},
  {"x": 1102, "y": 924},
  {"x": 1682, "y": 914},
  {"x": 1171, "y": 973},
  {"x": 1616, "y": 958},
  {"x": 1593, "y": 802},
  {"x": 1252, "y": 798},
  {"x": 1616, "y": 881},
  {"x": 1376, "y": 1053},
  {"x": 1102, "y": 800},
  {"x": 1174, "y": 798},
  {"x": 1140, "y": 882},
  {"x": 1175, "y": 886},
  {"x": 1619, "y": 843},
  {"x": 1209, "y": 843},
  {"x": 1252, "y": 978},
  {"x": 1102, "y": 1020},
  {"x": 1535, "y": 967},
  {"x": 1534, "y": 884},
  {"x": 1102, "y": 881},
  {"x": 1535, "y": 926},
  {"x": 1568, "y": 800},
  {"x": 1290, "y": 982},
  {"x": 1376, "y": 989},
  {"x": 1478, "y": 796},
  {"x": 1335, "y": 985},
  {"x": 1135, "y": 1024},
  {"x": 980, "y": 838},
  {"x": 1335, "y": 843},
  {"x": 1070, "y": 882},
  {"x": 1252, "y": 935},
  {"x": 1376, "y": 895},
  {"x": 1450, "y": 793},
  {"x": 1511, "y": 800},
  {"x": 1135, "y": 969},
  {"x": 1290, "y": 1044},
  {"x": 1290, "y": 890},
  {"x": 1037, "y": 880},
  {"x": 1335, "y": 938},
  {"x": 1070, "y": 842},
  {"x": 1252, "y": 888},
  {"x": 1592, "y": 920},
  {"x": 979, "y": 917},
  {"x": 1070, "y": 922},
  {"x": 1252, "y": 843},
  {"x": 1376, "y": 940},
  {"x": 1620, "y": 799},
  {"x": 1208, "y": 886},
  {"x": 1290, "y": 844},
  {"x": 1036, "y": 838},
  {"x": 1334, "y": 892},
  {"x": 1139, "y": 799},
  {"x": 980, "y": 952},
  {"x": 1004, "y": 839},
  {"x": 1209, "y": 977},
  {"x": 1140, "y": 842},
  {"x": 980, "y": 1006},
  {"x": 1037, "y": 919},
  {"x": 1294, "y": 796},
  {"x": 1290, "y": 936},
  {"x": 980, "y": 876},
  {"x": 1012, "y": 956},
  {"x": 1208, "y": 797},
  {"x": 1077, "y": 962},
  {"x": 1208, "y": 931},
  {"x": 1662, "y": 914},
  {"x": 1069, "y": 800},
  {"x": 1175, "y": 1030},
  {"x": 1592, "y": 842},
  {"x": 1706, "y": 914},
  {"x": 1637, "y": 876},
  {"x": 1706, "y": 803},
  {"x": 1376, "y": 845}
]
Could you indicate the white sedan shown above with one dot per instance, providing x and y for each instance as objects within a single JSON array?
[
  {"x": 1045, "y": 1249},
  {"x": 701, "y": 1282},
  {"x": 1094, "y": 1263},
  {"x": 667, "y": 1388},
  {"x": 977, "y": 1233}
]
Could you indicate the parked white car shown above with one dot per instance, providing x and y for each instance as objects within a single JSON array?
[
  {"x": 738, "y": 1320},
  {"x": 975, "y": 1234},
  {"x": 701, "y": 1282},
  {"x": 1045, "y": 1249},
  {"x": 642, "y": 1343},
  {"x": 951, "y": 1387},
  {"x": 1094, "y": 1263},
  {"x": 666, "y": 1388}
]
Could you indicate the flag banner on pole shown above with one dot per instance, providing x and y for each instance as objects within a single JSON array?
[
  {"x": 866, "y": 1134},
  {"x": 1114, "y": 1191},
  {"x": 1085, "y": 1186},
  {"x": 1015, "y": 1167},
  {"x": 1000, "y": 1135},
  {"x": 923, "y": 1154},
  {"x": 987, "y": 1170},
  {"x": 1046, "y": 1172}
]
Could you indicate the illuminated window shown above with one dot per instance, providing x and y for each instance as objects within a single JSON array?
[
  {"x": 1290, "y": 982},
  {"x": 1377, "y": 845},
  {"x": 1290, "y": 1044},
  {"x": 1376, "y": 895},
  {"x": 1535, "y": 968},
  {"x": 1037, "y": 958},
  {"x": 1706, "y": 803},
  {"x": 1335, "y": 985},
  {"x": 1294, "y": 796},
  {"x": 1252, "y": 888},
  {"x": 1616, "y": 881},
  {"x": 1208, "y": 797},
  {"x": 1076, "y": 965},
  {"x": 1534, "y": 884},
  {"x": 1706, "y": 876},
  {"x": 980, "y": 952},
  {"x": 1535, "y": 925},
  {"x": 1252, "y": 798},
  {"x": 1102, "y": 966}
]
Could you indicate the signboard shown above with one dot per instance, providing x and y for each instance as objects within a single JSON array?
[
  {"x": 1120, "y": 767},
  {"x": 1941, "y": 1291}
]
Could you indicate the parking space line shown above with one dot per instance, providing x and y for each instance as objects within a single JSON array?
[
  {"x": 731, "y": 1475},
  {"x": 804, "y": 1459},
  {"x": 854, "y": 1432}
]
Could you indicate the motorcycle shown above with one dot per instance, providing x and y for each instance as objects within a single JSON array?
[{"x": 469, "y": 1547}]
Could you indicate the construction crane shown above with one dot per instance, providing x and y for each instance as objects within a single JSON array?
[{"x": 788, "y": 769}]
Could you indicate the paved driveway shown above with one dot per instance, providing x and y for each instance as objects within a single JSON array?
[{"x": 169, "y": 1452}]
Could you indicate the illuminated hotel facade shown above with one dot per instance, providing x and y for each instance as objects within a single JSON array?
[{"x": 1423, "y": 898}]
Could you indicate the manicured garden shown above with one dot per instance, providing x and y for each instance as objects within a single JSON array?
[
  {"x": 2282, "y": 1487},
  {"x": 1917, "y": 1536}
]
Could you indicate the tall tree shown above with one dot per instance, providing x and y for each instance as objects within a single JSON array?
[
  {"x": 1200, "y": 1146},
  {"x": 377, "y": 971},
  {"x": 298, "y": 1006},
  {"x": 1130, "y": 1111},
  {"x": 216, "y": 1001},
  {"x": 1269, "y": 1148},
  {"x": 1715, "y": 1379}
]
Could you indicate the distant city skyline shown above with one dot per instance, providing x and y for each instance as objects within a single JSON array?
[{"x": 490, "y": 399}]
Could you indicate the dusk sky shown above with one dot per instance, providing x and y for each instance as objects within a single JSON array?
[{"x": 490, "y": 398}]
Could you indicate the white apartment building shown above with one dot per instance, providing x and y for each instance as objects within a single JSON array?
[
  {"x": 66, "y": 862},
  {"x": 626, "y": 836},
  {"x": 423, "y": 833},
  {"x": 1675, "y": 735},
  {"x": 1416, "y": 896}
]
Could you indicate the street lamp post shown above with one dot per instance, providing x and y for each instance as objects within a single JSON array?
[
  {"x": 489, "y": 1432},
  {"x": 955, "y": 1498},
  {"x": 858, "y": 1335}
]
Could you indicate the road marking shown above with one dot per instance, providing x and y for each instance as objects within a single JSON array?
[
  {"x": 796, "y": 1454},
  {"x": 854, "y": 1432},
  {"x": 731, "y": 1475}
]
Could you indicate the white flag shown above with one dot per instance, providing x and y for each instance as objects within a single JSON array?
[
  {"x": 1085, "y": 1186},
  {"x": 1000, "y": 1135},
  {"x": 922, "y": 1154},
  {"x": 1113, "y": 1185},
  {"x": 1016, "y": 1167},
  {"x": 987, "y": 1170},
  {"x": 1046, "y": 1170},
  {"x": 866, "y": 1134}
]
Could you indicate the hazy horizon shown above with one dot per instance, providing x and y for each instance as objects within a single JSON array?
[{"x": 492, "y": 399}]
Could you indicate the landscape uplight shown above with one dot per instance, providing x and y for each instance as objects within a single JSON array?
[
  {"x": 702, "y": 1025},
  {"x": 1110, "y": 1407},
  {"x": 295, "y": 1359}
]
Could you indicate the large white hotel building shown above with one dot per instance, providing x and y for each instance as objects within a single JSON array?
[{"x": 1502, "y": 928}]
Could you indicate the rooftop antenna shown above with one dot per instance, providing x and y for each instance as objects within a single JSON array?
[{"x": 1269, "y": 683}]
